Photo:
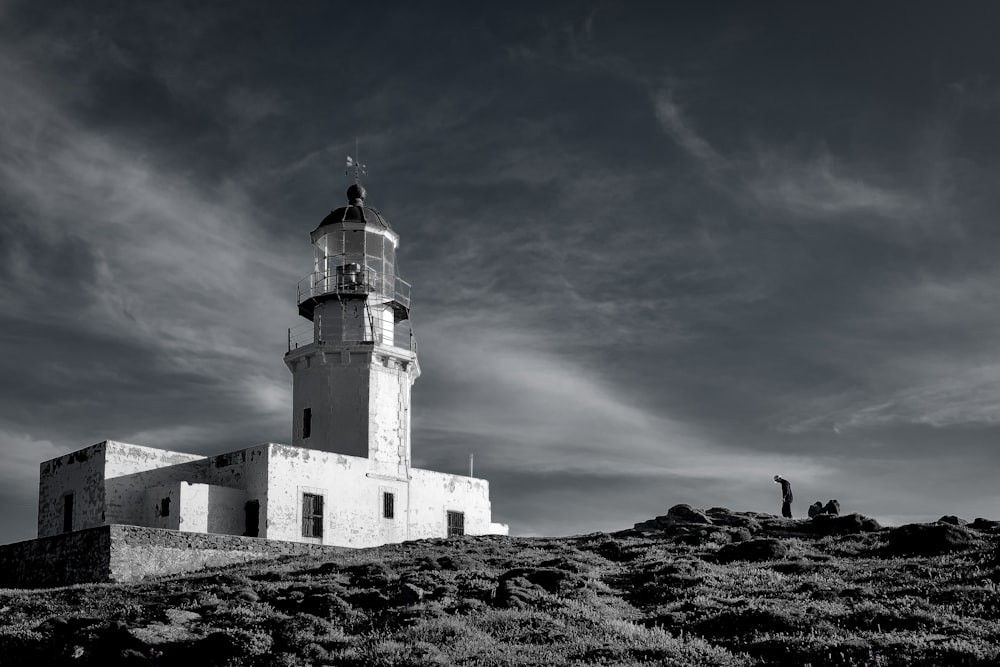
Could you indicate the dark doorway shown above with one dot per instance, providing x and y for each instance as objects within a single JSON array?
[
  {"x": 252, "y": 509},
  {"x": 68, "y": 513}
]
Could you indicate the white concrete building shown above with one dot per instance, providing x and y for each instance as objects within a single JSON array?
[{"x": 346, "y": 480}]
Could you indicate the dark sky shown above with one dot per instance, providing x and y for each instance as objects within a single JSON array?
[{"x": 659, "y": 252}]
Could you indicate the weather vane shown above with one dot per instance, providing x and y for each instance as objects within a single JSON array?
[{"x": 355, "y": 164}]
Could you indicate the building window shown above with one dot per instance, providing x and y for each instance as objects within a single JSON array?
[
  {"x": 68, "y": 513},
  {"x": 307, "y": 417},
  {"x": 456, "y": 523},
  {"x": 388, "y": 505},
  {"x": 165, "y": 507},
  {"x": 312, "y": 515}
]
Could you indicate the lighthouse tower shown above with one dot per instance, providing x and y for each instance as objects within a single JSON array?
[{"x": 351, "y": 384}]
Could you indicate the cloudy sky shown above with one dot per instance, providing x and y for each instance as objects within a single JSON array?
[{"x": 659, "y": 253}]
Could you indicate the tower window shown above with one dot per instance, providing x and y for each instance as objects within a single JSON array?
[
  {"x": 456, "y": 523},
  {"x": 165, "y": 507},
  {"x": 312, "y": 515},
  {"x": 388, "y": 505},
  {"x": 307, "y": 417},
  {"x": 68, "y": 512}
]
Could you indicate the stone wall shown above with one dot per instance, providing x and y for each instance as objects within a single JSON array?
[
  {"x": 120, "y": 553},
  {"x": 138, "y": 552},
  {"x": 59, "y": 560}
]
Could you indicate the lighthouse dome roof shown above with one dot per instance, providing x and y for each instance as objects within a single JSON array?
[{"x": 356, "y": 211}]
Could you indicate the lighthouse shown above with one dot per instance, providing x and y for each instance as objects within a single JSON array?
[
  {"x": 351, "y": 383},
  {"x": 345, "y": 480}
]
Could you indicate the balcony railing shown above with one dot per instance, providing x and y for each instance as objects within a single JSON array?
[
  {"x": 401, "y": 337},
  {"x": 353, "y": 280}
]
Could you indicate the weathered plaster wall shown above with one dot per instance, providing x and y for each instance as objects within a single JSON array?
[
  {"x": 130, "y": 470},
  {"x": 80, "y": 474},
  {"x": 332, "y": 381},
  {"x": 349, "y": 495},
  {"x": 206, "y": 508},
  {"x": 433, "y": 494},
  {"x": 246, "y": 470},
  {"x": 353, "y": 501},
  {"x": 392, "y": 375},
  {"x": 152, "y": 506},
  {"x": 344, "y": 320},
  {"x": 207, "y": 493}
]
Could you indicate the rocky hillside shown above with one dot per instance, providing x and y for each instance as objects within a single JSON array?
[{"x": 692, "y": 587}]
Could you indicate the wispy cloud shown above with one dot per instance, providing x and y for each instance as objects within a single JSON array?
[
  {"x": 819, "y": 186},
  {"x": 680, "y": 129}
]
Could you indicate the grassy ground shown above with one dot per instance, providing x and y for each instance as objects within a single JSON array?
[{"x": 674, "y": 593}]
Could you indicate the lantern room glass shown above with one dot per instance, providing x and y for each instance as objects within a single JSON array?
[{"x": 373, "y": 253}]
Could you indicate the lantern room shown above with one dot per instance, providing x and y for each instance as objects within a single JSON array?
[{"x": 355, "y": 261}]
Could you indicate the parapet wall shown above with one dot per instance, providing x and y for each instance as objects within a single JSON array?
[
  {"x": 138, "y": 552},
  {"x": 59, "y": 560},
  {"x": 119, "y": 553}
]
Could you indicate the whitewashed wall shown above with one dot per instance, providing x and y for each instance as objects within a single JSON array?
[
  {"x": 210, "y": 494},
  {"x": 152, "y": 506},
  {"x": 132, "y": 469},
  {"x": 433, "y": 494},
  {"x": 341, "y": 480},
  {"x": 392, "y": 375},
  {"x": 80, "y": 473},
  {"x": 333, "y": 383}
]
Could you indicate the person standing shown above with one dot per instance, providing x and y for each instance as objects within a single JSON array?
[{"x": 786, "y": 496}]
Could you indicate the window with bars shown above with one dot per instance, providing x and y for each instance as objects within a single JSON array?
[
  {"x": 388, "y": 505},
  {"x": 312, "y": 515},
  {"x": 456, "y": 523}
]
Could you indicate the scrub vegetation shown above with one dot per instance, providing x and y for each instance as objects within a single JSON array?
[{"x": 690, "y": 588}]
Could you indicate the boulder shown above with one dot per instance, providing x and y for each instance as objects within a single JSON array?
[
  {"x": 832, "y": 507},
  {"x": 612, "y": 550},
  {"x": 721, "y": 516},
  {"x": 754, "y": 551},
  {"x": 815, "y": 509},
  {"x": 408, "y": 594},
  {"x": 985, "y": 524},
  {"x": 930, "y": 539},
  {"x": 687, "y": 514},
  {"x": 524, "y": 585},
  {"x": 830, "y": 524},
  {"x": 953, "y": 520}
]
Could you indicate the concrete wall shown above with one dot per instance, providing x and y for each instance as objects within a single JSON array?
[{"x": 80, "y": 474}]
